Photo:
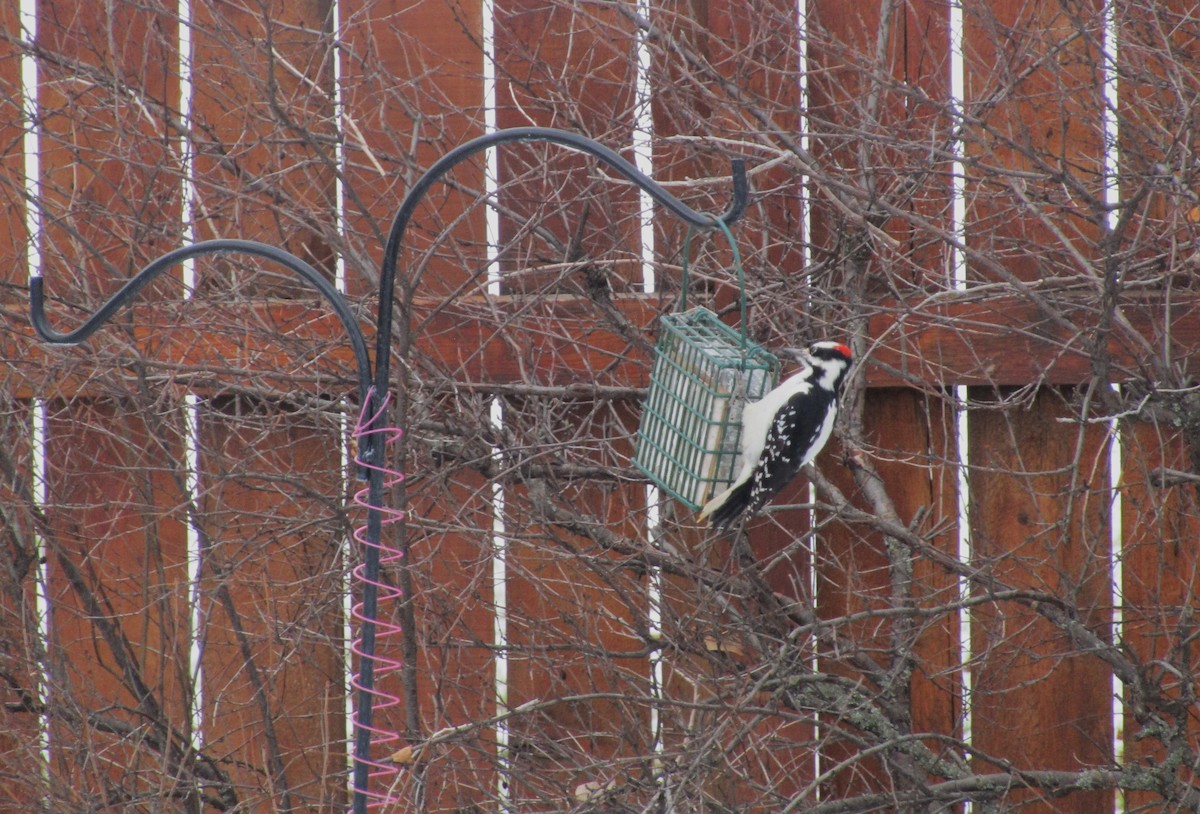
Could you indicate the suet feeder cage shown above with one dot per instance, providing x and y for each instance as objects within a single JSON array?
[{"x": 689, "y": 440}]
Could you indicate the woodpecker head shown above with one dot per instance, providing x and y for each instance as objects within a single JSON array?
[
  {"x": 825, "y": 351},
  {"x": 829, "y": 362}
]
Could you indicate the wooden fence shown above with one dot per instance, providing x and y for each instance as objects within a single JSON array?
[{"x": 987, "y": 597}]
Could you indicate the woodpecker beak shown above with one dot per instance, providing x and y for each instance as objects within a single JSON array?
[{"x": 797, "y": 354}]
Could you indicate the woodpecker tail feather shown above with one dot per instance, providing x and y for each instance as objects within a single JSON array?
[{"x": 728, "y": 506}]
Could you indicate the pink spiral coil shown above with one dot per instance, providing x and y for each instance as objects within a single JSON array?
[{"x": 381, "y": 735}]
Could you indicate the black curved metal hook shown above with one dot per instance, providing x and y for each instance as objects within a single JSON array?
[
  {"x": 37, "y": 296},
  {"x": 574, "y": 141}
]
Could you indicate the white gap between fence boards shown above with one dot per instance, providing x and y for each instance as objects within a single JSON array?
[
  {"x": 191, "y": 405},
  {"x": 346, "y": 447},
  {"x": 499, "y": 539},
  {"x": 643, "y": 154},
  {"x": 806, "y": 258},
  {"x": 958, "y": 281},
  {"x": 31, "y": 145},
  {"x": 1112, "y": 196}
]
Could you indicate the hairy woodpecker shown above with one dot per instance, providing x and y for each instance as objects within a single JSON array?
[{"x": 783, "y": 431}]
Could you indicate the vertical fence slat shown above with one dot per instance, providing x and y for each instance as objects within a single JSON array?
[
  {"x": 1161, "y": 524},
  {"x": 12, "y": 163},
  {"x": 1039, "y": 524},
  {"x": 868, "y": 75},
  {"x": 569, "y": 600},
  {"x": 1035, "y": 85},
  {"x": 270, "y": 591},
  {"x": 117, "y": 589},
  {"x": 108, "y": 191},
  {"x": 412, "y": 92},
  {"x": 117, "y": 631},
  {"x": 450, "y": 545},
  {"x": 546, "y": 54},
  {"x": 21, "y": 763},
  {"x": 912, "y": 440},
  {"x": 914, "y": 436}
]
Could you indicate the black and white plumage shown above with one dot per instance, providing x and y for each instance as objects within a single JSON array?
[{"x": 783, "y": 431}]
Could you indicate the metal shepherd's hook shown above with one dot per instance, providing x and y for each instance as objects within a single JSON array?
[
  {"x": 372, "y": 388},
  {"x": 387, "y": 284}
]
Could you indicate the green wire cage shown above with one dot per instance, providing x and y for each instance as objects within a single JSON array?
[{"x": 704, "y": 373}]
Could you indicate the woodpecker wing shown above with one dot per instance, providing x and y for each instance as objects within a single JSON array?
[
  {"x": 761, "y": 414},
  {"x": 800, "y": 430},
  {"x": 727, "y": 505}
]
